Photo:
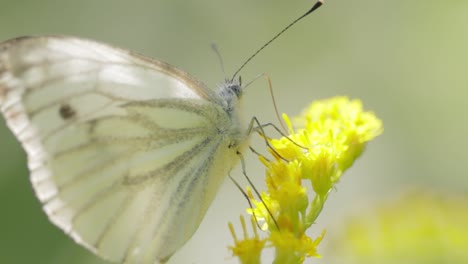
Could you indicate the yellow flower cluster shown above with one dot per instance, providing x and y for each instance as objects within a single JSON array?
[
  {"x": 248, "y": 249},
  {"x": 420, "y": 227},
  {"x": 333, "y": 135}
]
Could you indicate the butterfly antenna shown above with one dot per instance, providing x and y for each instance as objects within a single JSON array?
[
  {"x": 214, "y": 47},
  {"x": 318, "y": 4}
]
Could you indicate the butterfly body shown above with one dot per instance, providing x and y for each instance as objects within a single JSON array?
[{"x": 125, "y": 153}]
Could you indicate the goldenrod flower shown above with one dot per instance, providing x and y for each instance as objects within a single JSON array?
[
  {"x": 333, "y": 135},
  {"x": 420, "y": 227},
  {"x": 248, "y": 249}
]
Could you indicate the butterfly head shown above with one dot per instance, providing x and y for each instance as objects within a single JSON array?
[{"x": 231, "y": 92}]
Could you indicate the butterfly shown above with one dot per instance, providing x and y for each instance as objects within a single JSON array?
[{"x": 125, "y": 152}]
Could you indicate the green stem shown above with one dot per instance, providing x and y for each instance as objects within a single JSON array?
[{"x": 315, "y": 208}]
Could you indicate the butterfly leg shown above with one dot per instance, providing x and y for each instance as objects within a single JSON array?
[{"x": 254, "y": 188}]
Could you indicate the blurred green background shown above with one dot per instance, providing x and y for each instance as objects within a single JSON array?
[{"x": 406, "y": 60}]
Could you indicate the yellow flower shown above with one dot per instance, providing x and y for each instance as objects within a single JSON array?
[
  {"x": 302, "y": 245},
  {"x": 248, "y": 249},
  {"x": 333, "y": 135},
  {"x": 420, "y": 227}
]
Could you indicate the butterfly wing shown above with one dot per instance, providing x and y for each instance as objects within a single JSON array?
[{"x": 125, "y": 153}]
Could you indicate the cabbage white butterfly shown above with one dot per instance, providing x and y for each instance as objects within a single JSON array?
[{"x": 125, "y": 153}]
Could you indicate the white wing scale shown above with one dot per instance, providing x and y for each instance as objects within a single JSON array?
[{"x": 125, "y": 153}]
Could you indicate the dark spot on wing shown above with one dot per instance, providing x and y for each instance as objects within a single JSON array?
[{"x": 66, "y": 111}]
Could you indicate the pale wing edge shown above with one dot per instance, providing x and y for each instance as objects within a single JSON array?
[{"x": 193, "y": 83}]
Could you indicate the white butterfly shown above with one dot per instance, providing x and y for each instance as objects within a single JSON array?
[{"x": 126, "y": 153}]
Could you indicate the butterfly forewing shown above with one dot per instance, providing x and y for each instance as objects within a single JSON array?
[{"x": 125, "y": 153}]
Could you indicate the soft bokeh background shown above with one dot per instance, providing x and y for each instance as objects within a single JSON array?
[{"x": 406, "y": 60}]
